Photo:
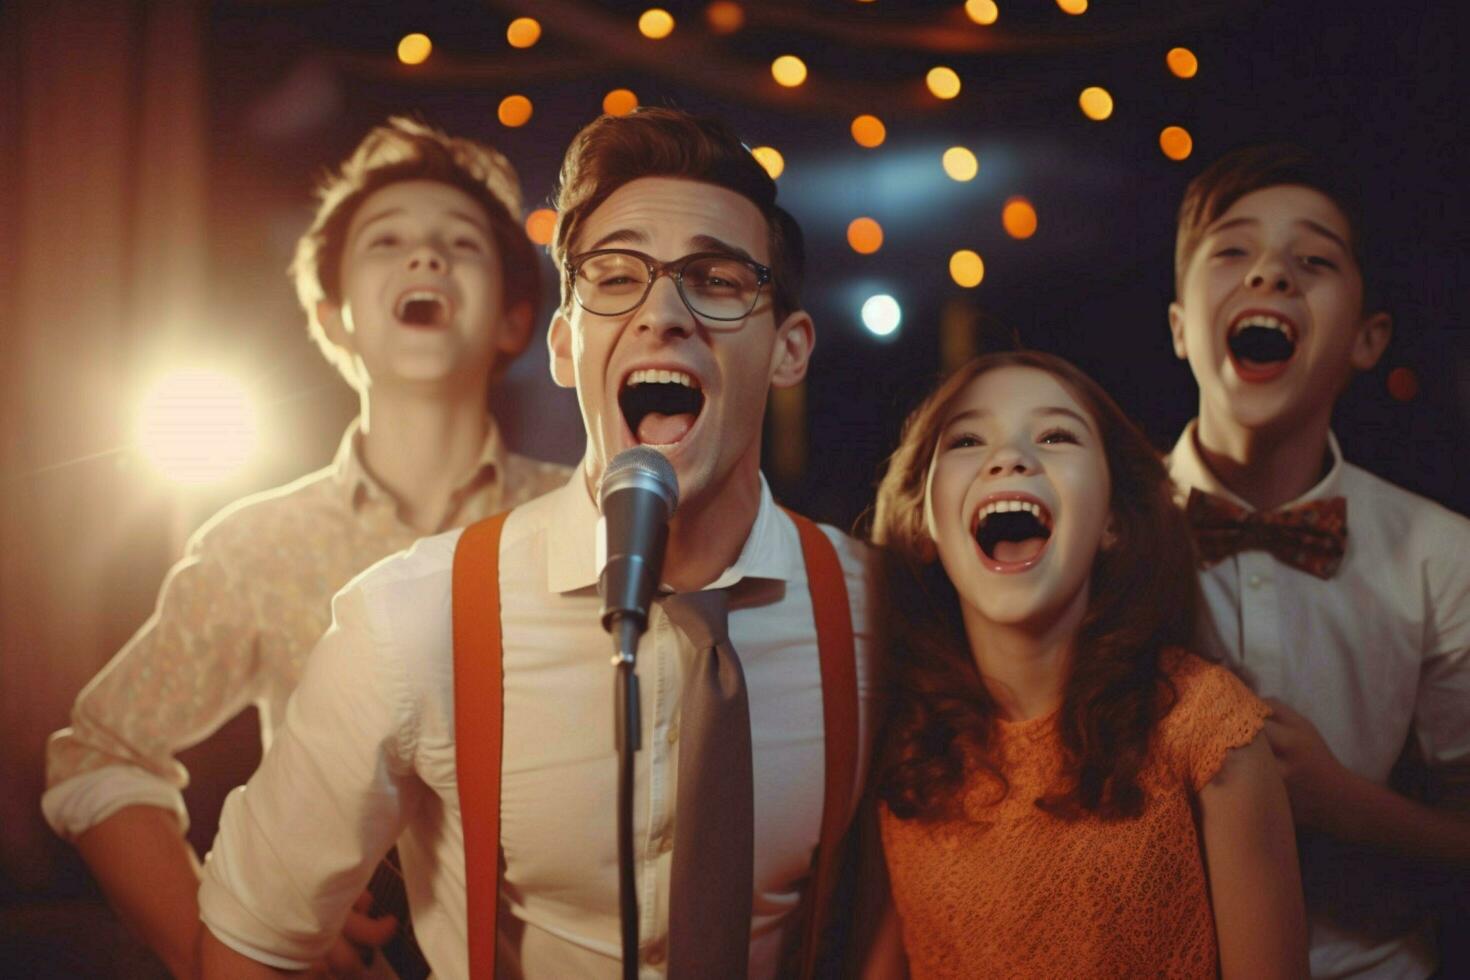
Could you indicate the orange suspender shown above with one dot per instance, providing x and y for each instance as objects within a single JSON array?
[
  {"x": 478, "y": 731},
  {"x": 479, "y": 727},
  {"x": 833, "y": 618}
]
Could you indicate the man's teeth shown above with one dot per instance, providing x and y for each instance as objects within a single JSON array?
[
  {"x": 649, "y": 376},
  {"x": 1005, "y": 506}
]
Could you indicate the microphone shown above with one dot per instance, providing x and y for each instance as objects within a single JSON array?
[{"x": 638, "y": 495}]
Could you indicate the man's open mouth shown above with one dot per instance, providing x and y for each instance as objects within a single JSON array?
[
  {"x": 660, "y": 406},
  {"x": 1261, "y": 343},
  {"x": 1013, "y": 531},
  {"x": 422, "y": 308}
]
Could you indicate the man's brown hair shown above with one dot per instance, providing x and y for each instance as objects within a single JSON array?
[
  {"x": 1253, "y": 168},
  {"x": 405, "y": 149},
  {"x": 612, "y": 151}
]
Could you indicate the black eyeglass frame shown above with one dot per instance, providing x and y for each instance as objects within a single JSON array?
[{"x": 673, "y": 268}]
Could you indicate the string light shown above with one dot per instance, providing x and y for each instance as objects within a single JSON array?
[
  {"x": 523, "y": 32},
  {"x": 725, "y": 16},
  {"x": 982, "y": 12},
  {"x": 514, "y": 110},
  {"x": 770, "y": 158},
  {"x": 943, "y": 82},
  {"x": 656, "y": 23},
  {"x": 1176, "y": 142},
  {"x": 788, "y": 70},
  {"x": 1182, "y": 62},
  {"x": 1403, "y": 384},
  {"x": 1073, "y": 7},
  {"x": 869, "y": 131},
  {"x": 960, "y": 164},
  {"x": 966, "y": 268},
  {"x": 541, "y": 225},
  {"x": 881, "y": 315},
  {"x": 1096, "y": 103},
  {"x": 865, "y": 236},
  {"x": 619, "y": 102},
  {"x": 1018, "y": 217},
  {"x": 414, "y": 49}
]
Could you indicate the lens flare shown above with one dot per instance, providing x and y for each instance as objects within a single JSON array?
[{"x": 197, "y": 427}]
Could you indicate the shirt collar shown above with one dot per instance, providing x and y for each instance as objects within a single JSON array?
[
  {"x": 771, "y": 551},
  {"x": 358, "y": 486},
  {"x": 1190, "y": 471}
]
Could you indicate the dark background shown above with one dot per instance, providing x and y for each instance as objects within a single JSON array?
[{"x": 275, "y": 91}]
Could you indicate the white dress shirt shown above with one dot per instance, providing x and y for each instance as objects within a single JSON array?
[
  {"x": 1381, "y": 647},
  {"x": 367, "y": 754}
]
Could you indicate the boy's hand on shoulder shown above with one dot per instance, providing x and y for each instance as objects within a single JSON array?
[{"x": 1314, "y": 778}]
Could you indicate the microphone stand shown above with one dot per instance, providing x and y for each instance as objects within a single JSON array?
[{"x": 626, "y": 633}]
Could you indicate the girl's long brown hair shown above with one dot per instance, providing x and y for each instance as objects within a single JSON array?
[{"x": 1144, "y": 600}]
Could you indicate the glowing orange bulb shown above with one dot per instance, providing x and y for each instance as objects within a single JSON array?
[
  {"x": 1403, "y": 384},
  {"x": 414, "y": 49},
  {"x": 725, "y": 16},
  {"x": 1019, "y": 218},
  {"x": 1096, "y": 103},
  {"x": 966, "y": 268},
  {"x": 865, "y": 236},
  {"x": 1182, "y": 62},
  {"x": 770, "y": 158},
  {"x": 541, "y": 225},
  {"x": 515, "y": 110},
  {"x": 943, "y": 82},
  {"x": 656, "y": 23},
  {"x": 619, "y": 102},
  {"x": 788, "y": 70},
  {"x": 982, "y": 12},
  {"x": 1073, "y": 7},
  {"x": 523, "y": 32},
  {"x": 869, "y": 131},
  {"x": 1176, "y": 142},
  {"x": 960, "y": 164}
]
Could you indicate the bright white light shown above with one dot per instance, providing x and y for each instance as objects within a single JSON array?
[
  {"x": 882, "y": 314},
  {"x": 197, "y": 427}
]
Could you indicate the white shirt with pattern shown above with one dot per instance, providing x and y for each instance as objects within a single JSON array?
[{"x": 235, "y": 620}]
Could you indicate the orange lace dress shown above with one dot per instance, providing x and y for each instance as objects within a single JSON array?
[{"x": 1015, "y": 892}]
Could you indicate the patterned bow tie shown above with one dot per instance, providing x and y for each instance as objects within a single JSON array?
[{"x": 1311, "y": 536}]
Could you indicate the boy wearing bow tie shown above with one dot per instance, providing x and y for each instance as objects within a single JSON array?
[{"x": 1342, "y": 598}]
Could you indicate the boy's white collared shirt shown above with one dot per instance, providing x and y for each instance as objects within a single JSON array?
[{"x": 1378, "y": 650}]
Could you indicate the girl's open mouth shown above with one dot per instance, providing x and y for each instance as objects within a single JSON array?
[{"x": 1012, "y": 531}]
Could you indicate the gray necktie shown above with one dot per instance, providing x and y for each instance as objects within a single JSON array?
[{"x": 712, "y": 879}]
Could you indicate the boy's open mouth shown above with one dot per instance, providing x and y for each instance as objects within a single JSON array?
[
  {"x": 660, "y": 406},
  {"x": 1261, "y": 344},
  {"x": 422, "y": 308},
  {"x": 1012, "y": 531}
]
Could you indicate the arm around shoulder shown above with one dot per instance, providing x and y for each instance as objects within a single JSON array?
[{"x": 1250, "y": 856}]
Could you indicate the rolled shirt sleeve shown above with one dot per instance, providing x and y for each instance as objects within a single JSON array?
[
  {"x": 298, "y": 843},
  {"x": 190, "y": 668}
]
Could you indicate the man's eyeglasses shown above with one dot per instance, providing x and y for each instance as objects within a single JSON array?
[{"x": 714, "y": 285}]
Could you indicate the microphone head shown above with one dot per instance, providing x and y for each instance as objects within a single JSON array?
[{"x": 640, "y": 467}]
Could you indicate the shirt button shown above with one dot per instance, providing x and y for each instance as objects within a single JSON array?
[
  {"x": 1254, "y": 581},
  {"x": 655, "y": 955},
  {"x": 672, "y": 735}
]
